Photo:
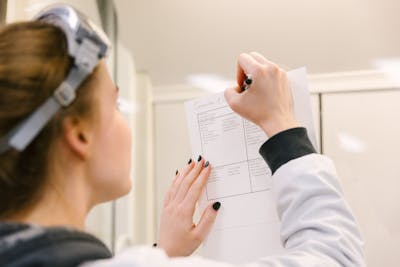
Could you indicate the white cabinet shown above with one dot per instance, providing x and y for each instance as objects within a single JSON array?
[
  {"x": 171, "y": 144},
  {"x": 361, "y": 133},
  {"x": 315, "y": 106}
]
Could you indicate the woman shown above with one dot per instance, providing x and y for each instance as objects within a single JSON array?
[{"x": 82, "y": 158}]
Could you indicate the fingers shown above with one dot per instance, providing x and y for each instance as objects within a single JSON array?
[
  {"x": 195, "y": 190},
  {"x": 180, "y": 177},
  {"x": 206, "y": 221},
  {"x": 250, "y": 64},
  {"x": 260, "y": 58},
  {"x": 169, "y": 192},
  {"x": 189, "y": 179},
  {"x": 232, "y": 97},
  {"x": 263, "y": 61},
  {"x": 245, "y": 64}
]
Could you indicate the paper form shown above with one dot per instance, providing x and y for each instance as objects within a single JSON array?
[{"x": 247, "y": 225}]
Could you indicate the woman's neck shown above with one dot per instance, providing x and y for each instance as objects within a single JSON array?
[{"x": 57, "y": 206}]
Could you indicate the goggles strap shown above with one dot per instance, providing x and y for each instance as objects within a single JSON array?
[{"x": 21, "y": 136}]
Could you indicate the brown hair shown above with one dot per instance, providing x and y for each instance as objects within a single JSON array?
[{"x": 33, "y": 62}]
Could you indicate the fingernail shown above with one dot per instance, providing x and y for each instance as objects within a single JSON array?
[
  {"x": 199, "y": 158},
  {"x": 190, "y": 161},
  {"x": 176, "y": 173},
  {"x": 248, "y": 80},
  {"x": 206, "y": 164},
  {"x": 216, "y": 205}
]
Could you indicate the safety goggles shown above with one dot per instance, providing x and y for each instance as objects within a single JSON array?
[{"x": 87, "y": 45}]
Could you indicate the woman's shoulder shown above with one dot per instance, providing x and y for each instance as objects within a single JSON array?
[
  {"x": 133, "y": 256},
  {"x": 28, "y": 245},
  {"x": 148, "y": 256}
]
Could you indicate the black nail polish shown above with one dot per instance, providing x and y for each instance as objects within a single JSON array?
[
  {"x": 176, "y": 173},
  {"x": 190, "y": 161},
  {"x": 206, "y": 164},
  {"x": 248, "y": 80},
  {"x": 216, "y": 205},
  {"x": 199, "y": 158}
]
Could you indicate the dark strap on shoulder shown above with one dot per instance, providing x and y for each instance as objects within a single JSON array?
[{"x": 25, "y": 246}]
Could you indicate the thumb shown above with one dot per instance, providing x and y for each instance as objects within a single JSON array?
[
  {"x": 207, "y": 220},
  {"x": 232, "y": 97}
]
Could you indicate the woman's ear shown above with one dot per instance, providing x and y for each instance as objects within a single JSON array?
[{"x": 78, "y": 136}]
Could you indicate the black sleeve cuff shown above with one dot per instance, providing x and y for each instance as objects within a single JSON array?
[{"x": 286, "y": 146}]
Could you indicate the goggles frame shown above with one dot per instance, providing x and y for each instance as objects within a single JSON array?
[{"x": 87, "y": 45}]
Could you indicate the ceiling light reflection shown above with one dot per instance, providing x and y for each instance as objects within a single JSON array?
[
  {"x": 209, "y": 82},
  {"x": 351, "y": 143},
  {"x": 389, "y": 66},
  {"x": 126, "y": 107}
]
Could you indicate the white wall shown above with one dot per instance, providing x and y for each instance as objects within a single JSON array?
[{"x": 172, "y": 39}]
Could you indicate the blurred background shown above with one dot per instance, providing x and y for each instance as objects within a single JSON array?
[{"x": 167, "y": 52}]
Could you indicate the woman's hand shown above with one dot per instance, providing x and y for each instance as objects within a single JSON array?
[
  {"x": 268, "y": 102},
  {"x": 179, "y": 236}
]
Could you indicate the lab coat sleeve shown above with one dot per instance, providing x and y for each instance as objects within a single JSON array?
[{"x": 317, "y": 225}]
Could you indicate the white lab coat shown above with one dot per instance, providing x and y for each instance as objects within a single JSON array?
[{"x": 318, "y": 227}]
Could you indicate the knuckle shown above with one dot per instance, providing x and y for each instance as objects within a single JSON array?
[
  {"x": 184, "y": 184},
  {"x": 204, "y": 174},
  {"x": 204, "y": 177},
  {"x": 260, "y": 58},
  {"x": 197, "y": 237},
  {"x": 196, "y": 189},
  {"x": 171, "y": 208},
  {"x": 253, "y": 53},
  {"x": 259, "y": 69},
  {"x": 179, "y": 212},
  {"x": 273, "y": 69},
  {"x": 197, "y": 168},
  {"x": 268, "y": 69},
  {"x": 241, "y": 56},
  {"x": 183, "y": 210},
  {"x": 283, "y": 73}
]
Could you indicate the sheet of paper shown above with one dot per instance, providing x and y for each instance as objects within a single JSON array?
[{"x": 247, "y": 226}]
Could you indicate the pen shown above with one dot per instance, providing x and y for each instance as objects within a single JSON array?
[{"x": 247, "y": 82}]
